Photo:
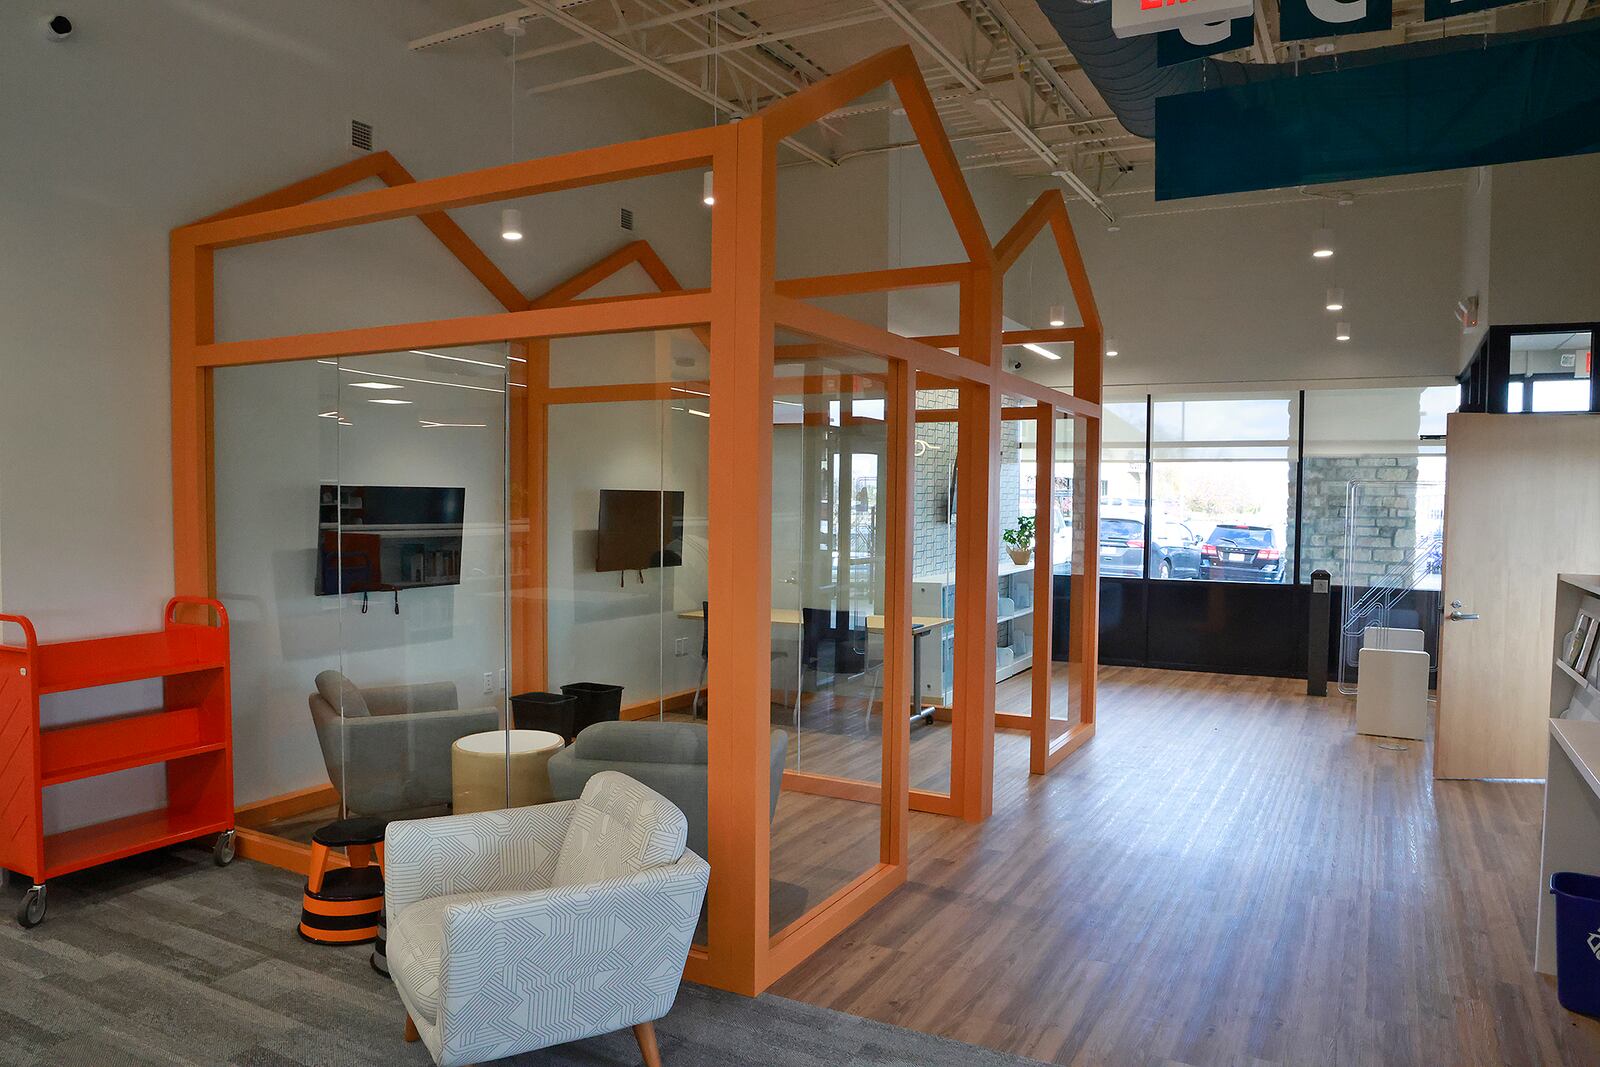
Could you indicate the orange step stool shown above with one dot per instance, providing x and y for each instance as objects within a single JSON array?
[{"x": 344, "y": 906}]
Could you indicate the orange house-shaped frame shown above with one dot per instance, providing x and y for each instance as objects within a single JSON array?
[{"x": 739, "y": 316}]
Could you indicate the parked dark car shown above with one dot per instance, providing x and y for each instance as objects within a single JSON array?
[
  {"x": 1174, "y": 554},
  {"x": 1242, "y": 554}
]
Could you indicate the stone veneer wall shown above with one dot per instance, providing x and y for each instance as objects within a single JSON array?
[{"x": 1386, "y": 532}]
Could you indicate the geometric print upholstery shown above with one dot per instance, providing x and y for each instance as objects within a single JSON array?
[
  {"x": 619, "y": 827},
  {"x": 491, "y": 959}
]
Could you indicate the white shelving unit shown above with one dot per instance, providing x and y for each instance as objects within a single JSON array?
[
  {"x": 1572, "y": 780},
  {"x": 935, "y": 595}
]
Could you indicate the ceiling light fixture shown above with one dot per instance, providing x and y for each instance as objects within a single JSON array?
[
  {"x": 418, "y": 381},
  {"x": 707, "y": 196},
  {"x": 1058, "y": 315},
  {"x": 1342, "y": 333},
  {"x": 387, "y": 400},
  {"x": 511, "y": 224},
  {"x": 1335, "y": 300},
  {"x": 457, "y": 359},
  {"x": 1041, "y": 351},
  {"x": 429, "y": 425},
  {"x": 1111, "y": 348},
  {"x": 697, "y": 411},
  {"x": 374, "y": 385},
  {"x": 1322, "y": 243}
]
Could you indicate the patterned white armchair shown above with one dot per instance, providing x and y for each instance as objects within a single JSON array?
[{"x": 516, "y": 930}]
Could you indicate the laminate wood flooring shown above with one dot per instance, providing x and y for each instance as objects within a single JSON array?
[{"x": 1226, "y": 875}]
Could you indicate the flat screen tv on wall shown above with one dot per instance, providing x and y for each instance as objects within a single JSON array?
[
  {"x": 639, "y": 529},
  {"x": 382, "y": 538}
]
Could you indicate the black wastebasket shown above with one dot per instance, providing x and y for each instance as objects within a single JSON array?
[
  {"x": 551, "y": 712},
  {"x": 597, "y": 702}
]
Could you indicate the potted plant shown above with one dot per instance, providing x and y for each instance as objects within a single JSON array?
[{"x": 1019, "y": 540}]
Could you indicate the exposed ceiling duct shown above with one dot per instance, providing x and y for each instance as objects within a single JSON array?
[{"x": 1124, "y": 71}]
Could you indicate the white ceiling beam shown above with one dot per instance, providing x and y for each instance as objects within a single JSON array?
[{"x": 665, "y": 73}]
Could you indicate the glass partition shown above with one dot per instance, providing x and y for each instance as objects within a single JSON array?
[
  {"x": 1066, "y": 547},
  {"x": 933, "y": 585},
  {"x": 361, "y": 551},
  {"x": 829, "y": 559},
  {"x": 1023, "y": 538}
]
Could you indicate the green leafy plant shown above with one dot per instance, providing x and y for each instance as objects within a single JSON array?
[{"x": 1020, "y": 537}]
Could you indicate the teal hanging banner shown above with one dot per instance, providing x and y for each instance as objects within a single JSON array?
[
  {"x": 1301, "y": 20},
  {"x": 1443, "y": 9},
  {"x": 1203, "y": 39},
  {"x": 1534, "y": 96}
]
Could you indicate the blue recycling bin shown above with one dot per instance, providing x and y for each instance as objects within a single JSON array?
[{"x": 1577, "y": 941}]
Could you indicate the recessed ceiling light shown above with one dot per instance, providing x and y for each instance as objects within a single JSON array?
[
  {"x": 374, "y": 385},
  {"x": 387, "y": 400},
  {"x": 1041, "y": 351}
]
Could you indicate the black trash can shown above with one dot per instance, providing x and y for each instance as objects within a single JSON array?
[
  {"x": 597, "y": 702},
  {"x": 551, "y": 712},
  {"x": 1577, "y": 941}
]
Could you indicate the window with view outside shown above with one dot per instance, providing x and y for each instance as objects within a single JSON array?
[
  {"x": 1373, "y": 510},
  {"x": 1223, "y": 490},
  {"x": 1122, "y": 488}
]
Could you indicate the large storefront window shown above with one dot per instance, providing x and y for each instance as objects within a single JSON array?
[{"x": 1223, "y": 490}]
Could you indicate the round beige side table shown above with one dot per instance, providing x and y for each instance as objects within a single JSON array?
[{"x": 478, "y": 772}]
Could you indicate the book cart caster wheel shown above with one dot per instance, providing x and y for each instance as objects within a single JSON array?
[
  {"x": 225, "y": 849},
  {"x": 30, "y": 912}
]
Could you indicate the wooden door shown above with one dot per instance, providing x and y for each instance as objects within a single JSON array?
[{"x": 1522, "y": 504}]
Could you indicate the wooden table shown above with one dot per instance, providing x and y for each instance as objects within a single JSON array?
[{"x": 920, "y": 625}]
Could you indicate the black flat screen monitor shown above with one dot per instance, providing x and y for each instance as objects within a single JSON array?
[
  {"x": 639, "y": 529},
  {"x": 379, "y": 538}
]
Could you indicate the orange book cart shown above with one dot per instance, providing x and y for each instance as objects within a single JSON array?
[{"x": 192, "y": 733}]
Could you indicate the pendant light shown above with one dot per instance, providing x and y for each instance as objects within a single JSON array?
[
  {"x": 707, "y": 193},
  {"x": 1111, "y": 347},
  {"x": 1335, "y": 301},
  {"x": 1058, "y": 315},
  {"x": 1322, "y": 243},
  {"x": 510, "y": 217},
  {"x": 1342, "y": 333}
]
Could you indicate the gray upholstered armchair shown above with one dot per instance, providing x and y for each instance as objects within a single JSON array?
[
  {"x": 669, "y": 757},
  {"x": 387, "y": 749},
  {"x": 515, "y": 930}
]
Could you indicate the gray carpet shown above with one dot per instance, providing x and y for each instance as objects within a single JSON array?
[{"x": 165, "y": 959}]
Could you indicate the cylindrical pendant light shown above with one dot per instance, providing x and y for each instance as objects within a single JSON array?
[
  {"x": 1342, "y": 333},
  {"x": 1058, "y": 315},
  {"x": 1111, "y": 347},
  {"x": 707, "y": 197},
  {"x": 1322, "y": 243},
  {"x": 511, "y": 223},
  {"x": 1335, "y": 300}
]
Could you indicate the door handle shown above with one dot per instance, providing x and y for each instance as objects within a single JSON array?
[{"x": 1464, "y": 616}]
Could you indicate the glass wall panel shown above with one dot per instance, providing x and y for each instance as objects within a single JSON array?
[
  {"x": 1023, "y": 532},
  {"x": 1223, "y": 498},
  {"x": 361, "y": 551},
  {"x": 1550, "y": 372},
  {"x": 412, "y": 548},
  {"x": 829, "y": 559},
  {"x": 933, "y": 586},
  {"x": 1067, "y": 501}
]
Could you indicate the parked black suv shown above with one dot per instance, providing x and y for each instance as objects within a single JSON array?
[{"x": 1242, "y": 554}]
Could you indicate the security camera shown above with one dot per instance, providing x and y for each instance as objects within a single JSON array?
[
  {"x": 59, "y": 27},
  {"x": 1016, "y": 364}
]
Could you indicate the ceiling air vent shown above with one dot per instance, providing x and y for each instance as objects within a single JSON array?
[
  {"x": 360, "y": 135},
  {"x": 626, "y": 221}
]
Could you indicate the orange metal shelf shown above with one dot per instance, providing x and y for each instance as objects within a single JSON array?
[
  {"x": 73, "y": 850},
  {"x": 67, "y": 665},
  {"x": 123, "y": 763}
]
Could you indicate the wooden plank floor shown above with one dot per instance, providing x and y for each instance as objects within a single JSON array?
[{"x": 1227, "y": 874}]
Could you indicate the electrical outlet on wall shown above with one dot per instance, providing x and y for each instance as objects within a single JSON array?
[
  {"x": 488, "y": 681},
  {"x": 680, "y": 648}
]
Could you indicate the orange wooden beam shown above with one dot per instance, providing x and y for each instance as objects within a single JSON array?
[{"x": 871, "y": 281}]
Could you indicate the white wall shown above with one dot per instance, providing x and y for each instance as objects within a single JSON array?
[{"x": 157, "y": 113}]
